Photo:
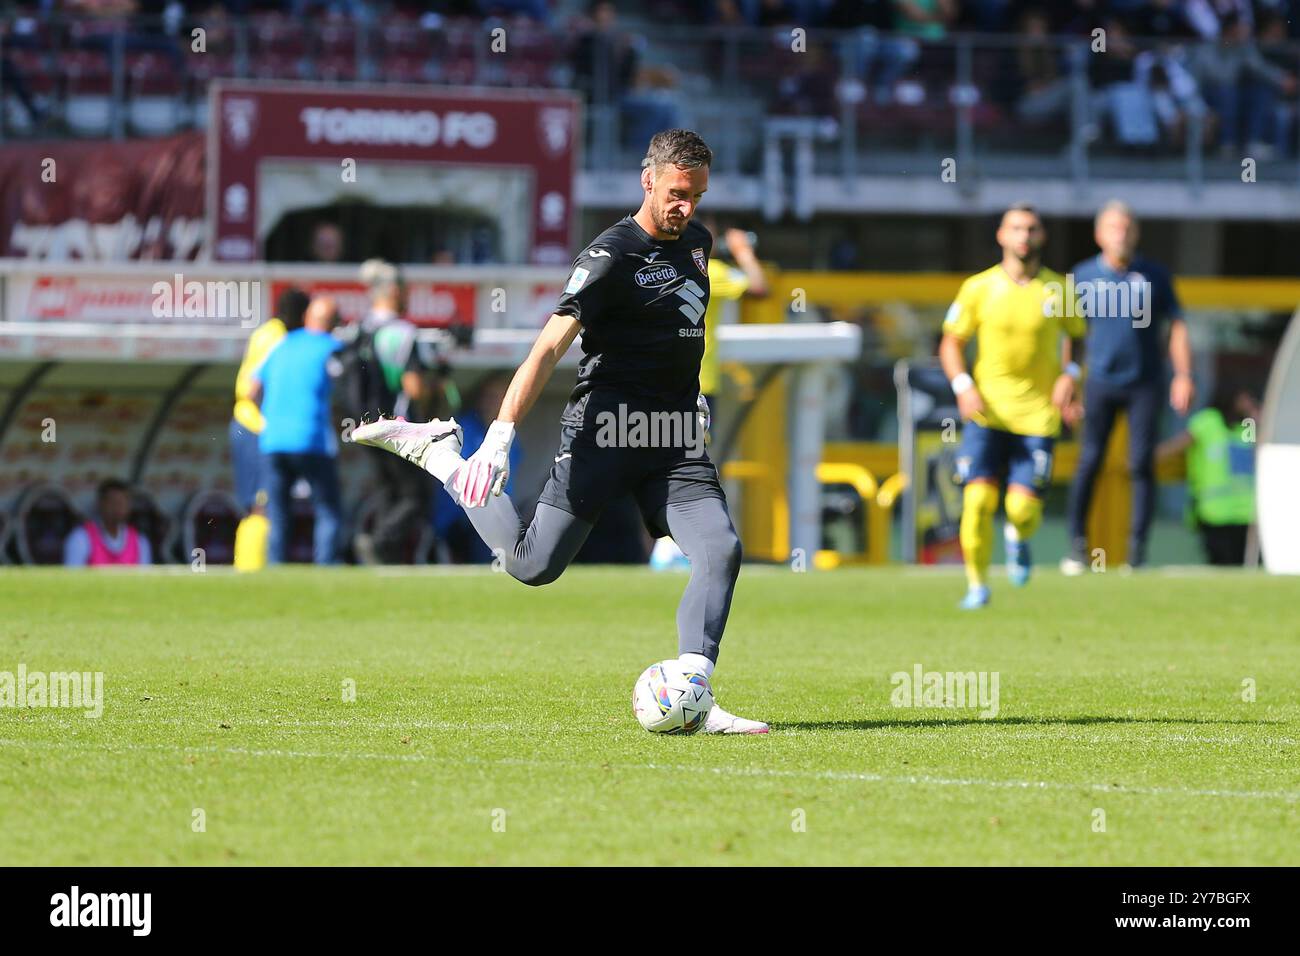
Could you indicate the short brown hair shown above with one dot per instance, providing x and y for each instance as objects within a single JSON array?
[{"x": 680, "y": 147}]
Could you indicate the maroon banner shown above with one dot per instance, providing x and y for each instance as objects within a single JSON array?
[
  {"x": 251, "y": 123},
  {"x": 103, "y": 201}
]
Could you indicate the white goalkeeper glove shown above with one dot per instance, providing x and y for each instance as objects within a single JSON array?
[
  {"x": 488, "y": 469},
  {"x": 702, "y": 414}
]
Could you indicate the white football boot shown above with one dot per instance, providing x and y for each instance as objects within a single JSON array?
[
  {"x": 721, "y": 722},
  {"x": 421, "y": 443}
]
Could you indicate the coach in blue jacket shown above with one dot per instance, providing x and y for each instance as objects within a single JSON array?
[{"x": 1129, "y": 301}]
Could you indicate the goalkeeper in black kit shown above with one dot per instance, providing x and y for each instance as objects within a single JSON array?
[{"x": 634, "y": 422}]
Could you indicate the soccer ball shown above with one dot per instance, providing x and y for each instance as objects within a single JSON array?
[{"x": 672, "y": 699}]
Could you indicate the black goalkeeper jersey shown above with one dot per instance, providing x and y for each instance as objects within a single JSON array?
[{"x": 641, "y": 302}]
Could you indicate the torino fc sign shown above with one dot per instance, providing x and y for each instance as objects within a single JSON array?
[
  {"x": 399, "y": 127},
  {"x": 254, "y": 125}
]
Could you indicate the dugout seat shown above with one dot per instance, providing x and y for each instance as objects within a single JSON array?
[
  {"x": 419, "y": 539},
  {"x": 43, "y": 517},
  {"x": 208, "y": 521},
  {"x": 148, "y": 519}
]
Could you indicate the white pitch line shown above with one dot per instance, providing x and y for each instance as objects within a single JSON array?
[
  {"x": 1013, "y": 733},
  {"x": 839, "y": 775}
]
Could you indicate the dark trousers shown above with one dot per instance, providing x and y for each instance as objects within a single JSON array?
[
  {"x": 1101, "y": 404},
  {"x": 249, "y": 466},
  {"x": 321, "y": 472},
  {"x": 1224, "y": 544},
  {"x": 406, "y": 493}
]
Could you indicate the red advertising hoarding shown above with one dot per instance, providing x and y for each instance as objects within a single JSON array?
[{"x": 428, "y": 304}]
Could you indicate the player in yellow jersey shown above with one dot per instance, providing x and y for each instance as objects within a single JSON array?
[
  {"x": 1011, "y": 402},
  {"x": 247, "y": 422},
  {"x": 727, "y": 284}
]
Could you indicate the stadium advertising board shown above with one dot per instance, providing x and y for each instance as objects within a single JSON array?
[
  {"x": 253, "y": 125},
  {"x": 428, "y": 304}
]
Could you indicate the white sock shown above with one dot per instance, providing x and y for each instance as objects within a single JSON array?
[
  {"x": 443, "y": 466},
  {"x": 699, "y": 662},
  {"x": 1010, "y": 532}
]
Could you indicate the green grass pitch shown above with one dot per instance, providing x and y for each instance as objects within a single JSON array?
[{"x": 492, "y": 723}]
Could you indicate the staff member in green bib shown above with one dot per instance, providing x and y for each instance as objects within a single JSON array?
[{"x": 1220, "y": 447}]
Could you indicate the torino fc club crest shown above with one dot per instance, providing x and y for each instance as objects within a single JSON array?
[
  {"x": 553, "y": 124},
  {"x": 698, "y": 256},
  {"x": 240, "y": 117}
]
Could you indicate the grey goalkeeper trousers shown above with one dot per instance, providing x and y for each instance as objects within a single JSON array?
[{"x": 539, "y": 553}]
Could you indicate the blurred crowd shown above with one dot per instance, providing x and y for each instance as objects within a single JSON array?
[{"x": 1155, "y": 71}]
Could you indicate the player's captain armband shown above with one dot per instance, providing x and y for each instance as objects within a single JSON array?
[
  {"x": 953, "y": 314},
  {"x": 576, "y": 280}
]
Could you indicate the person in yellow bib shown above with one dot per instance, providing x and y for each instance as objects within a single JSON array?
[
  {"x": 247, "y": 423},
  {"x": 1220, "y": 446},
  {"x": 727, "y": 285},
  {"x": 1011, "y": 402}
]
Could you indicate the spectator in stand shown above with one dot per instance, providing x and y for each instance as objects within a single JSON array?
[
  {"x": 1046, "y": 88},
  {"x": 926, "y": 20},
  {"x": 987, "y": 16},
  {"x": 1210, "y": 18},
  {"x": 727, "y": 13},
  {"x": 294, "y": 387},
  {"x": 1162, "y": 19},
  {"x": 107, "y": 539},
  {"x": 776, "y": 13},
  {"x": 21, "y": 33},
  {"x": 606, "y": 67},
  {"x": 1241, "y": 86},
  {"x": 1174, "y": 95},
  {"x": 327, "y": 243},
  {"x": 876, "y": 59},
  {"x": 1117, "y": 95},
  {"x": 1079, "y": 18},
  {"x": 1280, "y": 121},
  {"x": 144, "y": 34}
]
